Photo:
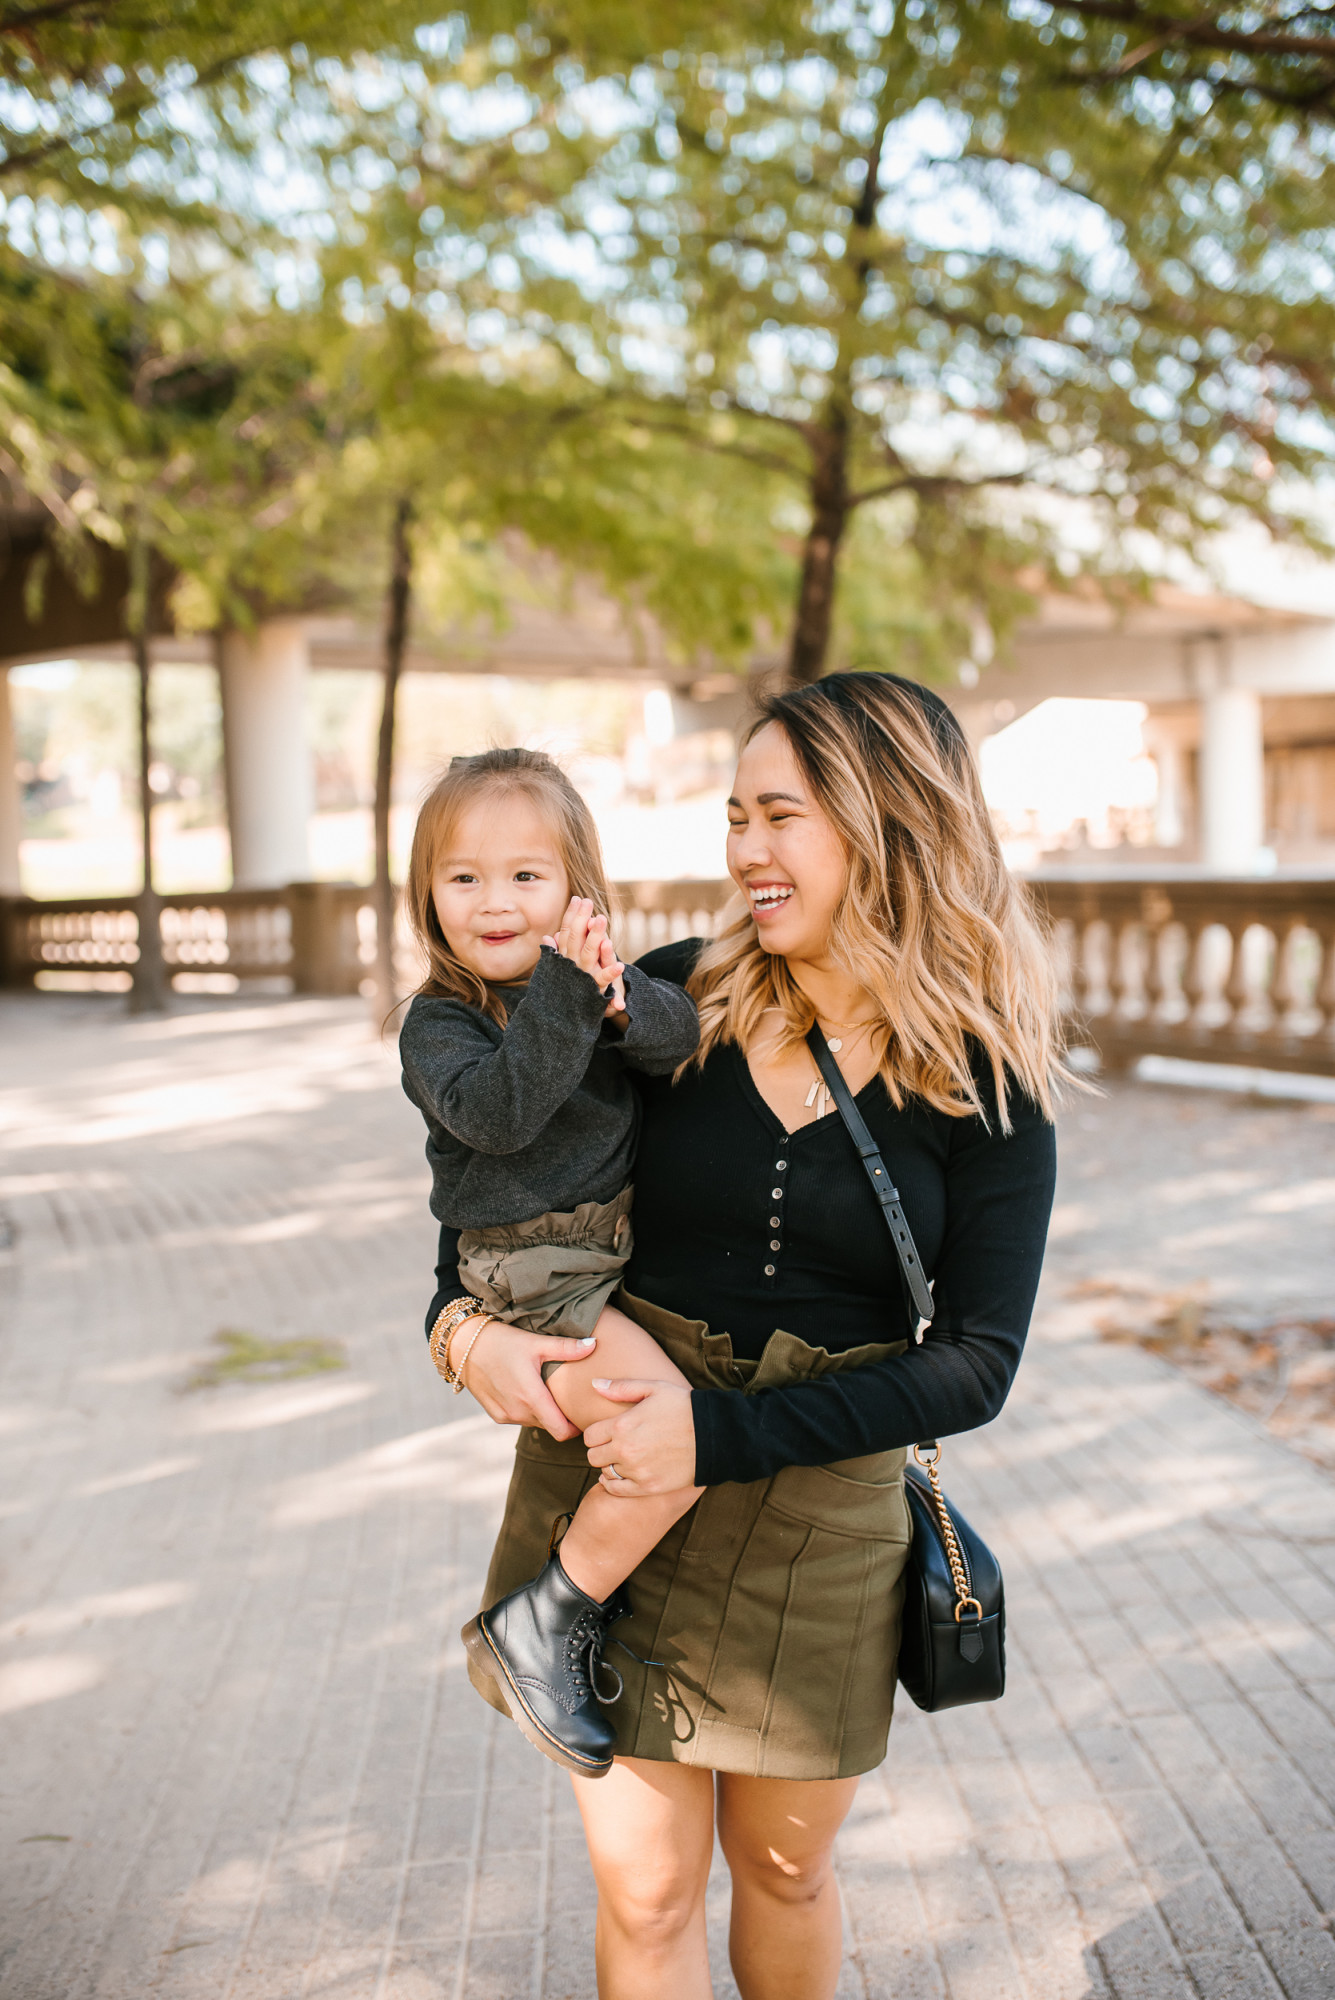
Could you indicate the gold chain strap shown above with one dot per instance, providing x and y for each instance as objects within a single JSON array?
[{"x": 958, "y": 1574}]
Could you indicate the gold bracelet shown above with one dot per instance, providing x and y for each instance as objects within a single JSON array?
[
  {"x": 448, "y": 1322},
  {"x": 459, "y": 1382}
]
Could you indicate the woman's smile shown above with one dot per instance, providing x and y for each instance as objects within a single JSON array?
[{"x": 767, "y": 898}]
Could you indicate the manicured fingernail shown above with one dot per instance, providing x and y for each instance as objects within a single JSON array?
[
  {"x": 586, "y": 1340},
  {"x": 602, "y": 1382}
]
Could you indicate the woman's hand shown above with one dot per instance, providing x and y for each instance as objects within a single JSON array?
[
  {"x": 652, "y": 1442},
  {"x": 504, "y": 1373}
]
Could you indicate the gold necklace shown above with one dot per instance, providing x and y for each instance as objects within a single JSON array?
[{"x": 834, "y": 1042}]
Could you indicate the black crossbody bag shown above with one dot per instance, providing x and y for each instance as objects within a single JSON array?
[{"x": 952, "y": 1649}]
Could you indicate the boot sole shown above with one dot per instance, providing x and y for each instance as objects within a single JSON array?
[{"x": 489, "y": 1664}]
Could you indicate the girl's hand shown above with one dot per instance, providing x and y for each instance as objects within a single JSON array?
[
  {"x": 583, "y": 938},
  {"x": 652, "y": 1442},
  {"x": 612, "y": 973},
  {"x": 504, "y": 1373}
]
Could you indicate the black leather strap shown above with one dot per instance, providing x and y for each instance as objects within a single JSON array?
[{"x": 887, "y": 1194}]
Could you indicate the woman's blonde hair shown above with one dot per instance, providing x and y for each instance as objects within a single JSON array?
[
  {"x": 931, "y": 924},
  {"x": 467, "y": 779}
]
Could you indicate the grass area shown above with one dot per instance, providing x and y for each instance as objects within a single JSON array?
[{"x": 244, "y": 1357}]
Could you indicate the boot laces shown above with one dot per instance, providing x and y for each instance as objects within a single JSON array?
[{"x": 584, "y": 1656}]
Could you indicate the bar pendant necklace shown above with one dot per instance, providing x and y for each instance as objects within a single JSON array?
[{"x": 818, "y": 1094}]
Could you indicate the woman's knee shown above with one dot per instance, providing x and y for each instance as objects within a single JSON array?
[
  {"x": 786, "y": 1871},
  {"x": 654, "y": 1907}
]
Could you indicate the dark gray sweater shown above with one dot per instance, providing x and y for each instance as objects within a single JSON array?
[{"x": 539, "y": 1116}]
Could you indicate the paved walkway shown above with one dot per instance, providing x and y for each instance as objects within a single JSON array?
[{"x": 240, "y": 1757}]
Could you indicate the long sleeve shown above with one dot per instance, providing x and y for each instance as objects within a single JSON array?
[
  {"x": 496, "y": 1095},
  {"x": 448, "y": 1287},
  {"x": 998, "y": 1199},
  {"x": 663, "y": 1029}
]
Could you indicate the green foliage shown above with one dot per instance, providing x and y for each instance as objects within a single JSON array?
[
  {"x": 957, "y": 301},
  {"x": 1072, "y": 321}
]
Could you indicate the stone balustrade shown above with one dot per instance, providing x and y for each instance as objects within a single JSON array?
[
  {"x": 1225, "y": 971},
  {"x": 1216, "y": 970},
  {"x": 320, "y": 936}
]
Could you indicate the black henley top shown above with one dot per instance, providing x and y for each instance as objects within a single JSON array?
[{"x": 751, "y": 1228}]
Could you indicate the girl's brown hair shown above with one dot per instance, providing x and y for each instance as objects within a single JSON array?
[
  {"x": 931, "y": 924},
  {"x": 467, "y": 779}
]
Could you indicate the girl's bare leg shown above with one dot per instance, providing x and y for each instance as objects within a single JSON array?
[
  {"x": 777, "y": 1834},
  {"x": 609, "y": 1536},
  {"x": 650, "y": 1830}
]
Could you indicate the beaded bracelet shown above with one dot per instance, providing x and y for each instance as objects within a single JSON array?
[
  {"x": 463, "y": 1358},
  {"x": 448, "y": 1322}
]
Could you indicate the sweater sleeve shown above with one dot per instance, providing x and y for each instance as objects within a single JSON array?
[
  {"x": 999, "y": 1198},
  {"x": 664, "y": 1027},
  {"x": 448, "y": 1287},
  {"x": 498, "y": 1098}
]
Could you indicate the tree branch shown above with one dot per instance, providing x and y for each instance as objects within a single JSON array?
[
  {"x": 56, "y": 10},
  {"x": 1204, "y": 32},
  {"x": 924, "y": 483}
]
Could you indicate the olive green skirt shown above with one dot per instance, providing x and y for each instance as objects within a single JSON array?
[{"x": 774, "y": 1606}]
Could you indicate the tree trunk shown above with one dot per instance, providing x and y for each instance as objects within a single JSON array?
[
  {"x": 149, "y": 984},
  {"x": 829, "y": 445},
  {"x": 820, "y": 557},
  {"x": 396, "y": 638}
]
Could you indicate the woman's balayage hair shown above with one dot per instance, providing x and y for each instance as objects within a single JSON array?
[
  {"x": 466, "y": 780},
  {"x": 931, "y": 924}
]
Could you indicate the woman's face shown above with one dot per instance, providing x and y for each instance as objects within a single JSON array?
[{"x": 783, "y": 853}]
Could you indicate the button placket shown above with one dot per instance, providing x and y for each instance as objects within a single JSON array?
[{"x": 776, "y": 1221}]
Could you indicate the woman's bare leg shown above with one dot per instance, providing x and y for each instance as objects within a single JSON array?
[
  {"x": 608, "y": 1535},
  {"x": 650, "y": 1830},
  {"x": 786, "y": 1938}
]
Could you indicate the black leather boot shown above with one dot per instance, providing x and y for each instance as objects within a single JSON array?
[{"x": 541, "y": 1650}]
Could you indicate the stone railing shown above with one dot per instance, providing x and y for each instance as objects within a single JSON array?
[
  {"x": 1219, "y": 971},
  {"x": 654, "y": 913},
  {"x": 319, "y": 936}
]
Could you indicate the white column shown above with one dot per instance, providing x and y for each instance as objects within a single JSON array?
[
  {"x": 1163, "y": 743},
  {"x": 9, "y": 796},
  {"x": 266, "y": 756},
  {"x": 1232, "y": 781}
]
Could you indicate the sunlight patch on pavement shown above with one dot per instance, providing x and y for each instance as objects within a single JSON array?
[
  {"x": 264, "y": 1410},
  {"x": 53, "y": 1620},
  {"x": 139, "y": 1475},
  {"x": 468, "y": 1460},
  {"x": 49, "y": 1677}
]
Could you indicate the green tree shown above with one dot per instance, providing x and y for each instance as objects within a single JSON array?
[{"x": 974, "y": 326}]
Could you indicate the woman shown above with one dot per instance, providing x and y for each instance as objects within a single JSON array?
[{"x": 878, "y": 905}]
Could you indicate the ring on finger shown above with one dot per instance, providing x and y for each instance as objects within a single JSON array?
[{"x": 615, "y": 1474}]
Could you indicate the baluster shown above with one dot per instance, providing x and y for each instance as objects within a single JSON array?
[
  {"x": 1248, "y": 981},
  {"x": 1290, "y": 989},
  {"x": 1129, "y": 973},
  {"x": 1095, "y": 994},
  {"x": 1202, "y": 981},
  {"x": 1238, "y": 986},
  {"x": 1324, "y": 988},
  {"x": 1168, "y": 1003},
  {"x": 1064, "y": 943}
]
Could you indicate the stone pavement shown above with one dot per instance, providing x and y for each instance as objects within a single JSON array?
[{"x": 240, "y": 1756}]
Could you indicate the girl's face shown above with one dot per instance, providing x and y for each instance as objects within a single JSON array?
[
  {"x": 500, "y": 887},
  {"x": 783, "y": 853}
]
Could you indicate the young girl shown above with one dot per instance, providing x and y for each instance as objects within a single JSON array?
[{"x": 515, "y": 1050}]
